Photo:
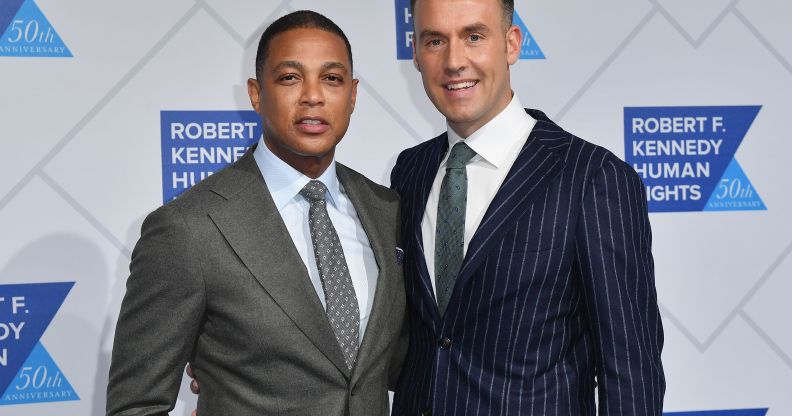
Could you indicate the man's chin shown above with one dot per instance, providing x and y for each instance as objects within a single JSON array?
[
  {"x": 317, "y": 152},
  {"x": 458, "y": 112},
  {"x": 460, "y": 118}
]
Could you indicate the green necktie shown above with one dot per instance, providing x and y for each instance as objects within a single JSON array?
[{"x": 450, "y": 231}]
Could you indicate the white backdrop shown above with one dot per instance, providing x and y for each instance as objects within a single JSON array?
[{"x": 80, "y": 164}]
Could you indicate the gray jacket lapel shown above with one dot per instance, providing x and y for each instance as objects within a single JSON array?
[
  {"x": 375, "y": 225},
  {"x": 254, "y": 229}
]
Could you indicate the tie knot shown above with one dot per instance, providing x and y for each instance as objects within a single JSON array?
[
  {"x": 314, "y": 191},
  {"x": 460, "y": 155}
]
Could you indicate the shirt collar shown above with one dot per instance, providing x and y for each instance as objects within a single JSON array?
[
  {"x": 493, "y": 141},
  {"x": 285, "y": 183}
]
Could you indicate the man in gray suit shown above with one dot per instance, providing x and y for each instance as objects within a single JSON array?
[{"x": 279, "y": 278}]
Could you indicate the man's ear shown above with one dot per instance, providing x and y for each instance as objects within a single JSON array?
[
  {"x": 353, "y": 98},
  {"x": 513, "y": 44},
  {"x": 415, "y": 59},
  {"x": 254, "y": 92}
]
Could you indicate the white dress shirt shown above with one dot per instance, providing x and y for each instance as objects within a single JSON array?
[
  {"x": 284, "y": 184},
  {"x": 497, "y": 145}
]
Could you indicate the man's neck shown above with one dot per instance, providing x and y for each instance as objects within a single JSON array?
[
  {"x": 310, "y": 166},
  {"x": 465, "y": 129}
]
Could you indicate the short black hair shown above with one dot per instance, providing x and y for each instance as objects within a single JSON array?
[
  {"x": 507, "y": 5},
  {"x": 301, "y": 19}
]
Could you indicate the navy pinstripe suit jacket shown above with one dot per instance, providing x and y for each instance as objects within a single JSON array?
[{"x": 556, "y": 290}]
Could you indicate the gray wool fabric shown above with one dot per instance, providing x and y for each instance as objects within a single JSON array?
[{"x": 217, "y": 280}]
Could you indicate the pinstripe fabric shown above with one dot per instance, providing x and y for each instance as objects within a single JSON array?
[{"x": 556, "y": 288}]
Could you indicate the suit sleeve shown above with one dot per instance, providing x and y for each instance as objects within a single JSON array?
[
  {"x": 615, "y": 262},
  {"x": 400, "y": 350},
  {"x": 399, "y": 354},
  {"x": 159, "y": 320}
]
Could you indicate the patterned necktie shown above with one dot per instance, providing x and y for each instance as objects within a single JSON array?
[
  {"x": 341, "y": 302},
  {"x": 450, "y": 231}
]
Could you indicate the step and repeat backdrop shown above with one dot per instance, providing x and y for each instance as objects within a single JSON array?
[{"x": 110, "y": 108}]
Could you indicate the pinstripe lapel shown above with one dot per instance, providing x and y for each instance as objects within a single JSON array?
[
  {"x": 533, "y": 171},
  {"x": 423, "y": 185}
]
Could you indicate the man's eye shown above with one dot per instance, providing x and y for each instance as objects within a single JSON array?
[
  {"x": 333, "y": 78},
  {"x": 288, "y": 78},
  {"x": 475, "y": 38},
  {"x": 435, "y": 42}
]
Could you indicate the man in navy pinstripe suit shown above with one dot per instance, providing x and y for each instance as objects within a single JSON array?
[{"x": 535, "y": 287}]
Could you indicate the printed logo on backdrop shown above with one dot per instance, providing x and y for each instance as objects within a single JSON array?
[
  {"x": 27, "y": 32},
  {"x": 737, "y": 412},
  {"x": 196, "y": 144},
  {"x": 404, "y": 30},
  {"x": 404, "y": 34},
  {"x": 685, "y": 156},
  {"x": 28, "y": 374},
  {"x": 530, "y": 49}
]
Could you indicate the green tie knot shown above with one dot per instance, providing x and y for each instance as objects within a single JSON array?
[{"x": 460, "y": 155}]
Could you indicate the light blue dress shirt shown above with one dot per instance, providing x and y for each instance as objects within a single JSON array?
[{"x": 284, "y": 184}]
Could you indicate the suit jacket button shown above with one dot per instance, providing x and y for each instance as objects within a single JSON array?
[
  {"x": 354, "y": 390},
  {"x": 445, "y": 343},
  {"x": 426, "y": 412}
]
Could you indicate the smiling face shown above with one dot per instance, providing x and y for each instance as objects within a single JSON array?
[
  {"x": 305, "y": 96},
  {"x": 463, "y": 50}
]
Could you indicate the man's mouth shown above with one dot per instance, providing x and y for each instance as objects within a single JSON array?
[
  {"x": 462, "y": 85},
  {"x": 312, "y": 124},
  {"x": 312, "y": 120}
]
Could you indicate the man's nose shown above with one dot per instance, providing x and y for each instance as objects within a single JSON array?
[
  {"x": 456, "y": 57},
  {"x": 312, "y": 93}
]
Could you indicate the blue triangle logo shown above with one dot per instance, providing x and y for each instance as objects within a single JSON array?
[
  {"x": 27, "y": 310},
  {"x": 530, "y": 49},
  {"x": 29, "y": 33},
  {"x": 39, "y": 381},
  {"x": 734, "y": 192}
]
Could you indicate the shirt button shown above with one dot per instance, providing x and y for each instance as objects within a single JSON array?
[{"x": 445, "y": 343}]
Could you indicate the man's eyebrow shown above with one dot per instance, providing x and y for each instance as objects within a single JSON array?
[
  {"x": 428, "y": 32},
  {"x": 333, "y": 65},
  {"x": 289, "y": 64},
  {"x": 300, "y": 67},
  {"x": 475, "y": 27}
]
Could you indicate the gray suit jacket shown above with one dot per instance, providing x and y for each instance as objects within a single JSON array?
[{"x": 216, "y": 279}]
